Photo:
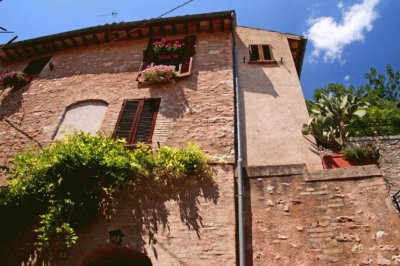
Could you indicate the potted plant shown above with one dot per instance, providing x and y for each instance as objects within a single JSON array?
[
  {"x": 328, "y": 120},
  {"x": 14, "y": 79},
  {"x": 167, "y": 49},
  {"x": 159, "y": 73}
]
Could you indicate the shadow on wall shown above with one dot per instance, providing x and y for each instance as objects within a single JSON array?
[
  {"x": 174, "y": 95},
  {"x": 10, "y": 101},
  {"x": 252, "y": 77},
  {"x": 141, "y": 214},
  {"x": 149, "y": 213}
]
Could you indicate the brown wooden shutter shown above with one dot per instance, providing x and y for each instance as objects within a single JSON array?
[
  {"x": 148, "y": 54},
  {"x": 145, "y": 125},
  {"x": 188, "y": 52},
  {"x": 126, "y": 120}
]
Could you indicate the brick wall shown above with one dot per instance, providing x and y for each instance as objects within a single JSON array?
[
  {"x": 196, "y": 231},
  {"x": 199, "y": 108},
  {"x": 291, "y": 221}
]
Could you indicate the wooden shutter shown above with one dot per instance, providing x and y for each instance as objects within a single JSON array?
[
  {"x": 146, "y": 123},
  {"x": 148, "y": 54},
  {"x": 188, "y": 52},
  {"x": 126, "y": 120},
  {"x": 137, "y": 120}
]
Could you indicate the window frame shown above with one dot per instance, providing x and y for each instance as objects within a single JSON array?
[
  {"x": 186, "y": 58},
  {"x": 130, "y": 142},
  {"x": 261, "y": 59}
]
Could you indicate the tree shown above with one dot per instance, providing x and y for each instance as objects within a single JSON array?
[{"x": 382, "y": 92}]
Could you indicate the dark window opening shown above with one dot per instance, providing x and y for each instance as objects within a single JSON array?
[
  {"x": 137, "y": 120},
  {"x": 254, "y": 53},
  {"x": 267, "y": 52},
  {"x": 36, "y": 66},
  {"x": 261, "y": 53}
]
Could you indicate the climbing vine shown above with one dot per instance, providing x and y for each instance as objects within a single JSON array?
[{"x": 71, "y": 181}]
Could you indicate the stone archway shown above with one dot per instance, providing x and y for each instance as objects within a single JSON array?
[{"x": 115, "y": 256}]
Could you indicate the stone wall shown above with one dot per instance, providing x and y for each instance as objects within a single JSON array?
[
  {"x": 389, "y": 162},
  {"x": 329, "y": 219}
]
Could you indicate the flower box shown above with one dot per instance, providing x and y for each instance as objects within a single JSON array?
[
  {"x": 163, "y": 57},
  {"x": 159, "y": 74},
  {"x": 338, "y": 161},
  {"x": 15, "y": 79},
  {"x": 167, "y": 47}
]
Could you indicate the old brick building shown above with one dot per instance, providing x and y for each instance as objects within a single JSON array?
[{"x": 89, "y": 79}]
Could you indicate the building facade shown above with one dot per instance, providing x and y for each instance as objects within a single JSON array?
[{"x": 90, "y": 80}]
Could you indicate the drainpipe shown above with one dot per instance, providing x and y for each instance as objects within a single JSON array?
[{"x": 242, "y": 254}]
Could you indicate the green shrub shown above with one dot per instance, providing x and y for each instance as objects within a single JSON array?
[
  {"x": 361, "y": 153},
  {"x": 71, "y": 181}
]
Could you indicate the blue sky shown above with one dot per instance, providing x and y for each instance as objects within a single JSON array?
[{"x": 346, "y": 38}]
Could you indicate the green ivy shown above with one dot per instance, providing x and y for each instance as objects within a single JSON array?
[{"x": 71, "y": 180}]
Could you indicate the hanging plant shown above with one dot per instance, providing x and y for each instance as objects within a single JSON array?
[
  {"x": 160, "y": 73},
  {"x": 70, "y": 182},
  {"x": 14, "y": 79},
  {"x": 167, "y": 47}
]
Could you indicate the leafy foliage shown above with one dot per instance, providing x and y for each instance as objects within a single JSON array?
[
  {"x": 330, "y": 116},
  {"x": 72, "y": 180},
  {"x": 380, "y": 120},
  {"x": 361, "y": 153},
  {"x": 382, "y": 91},
  {"x": 14, "y": 79}
]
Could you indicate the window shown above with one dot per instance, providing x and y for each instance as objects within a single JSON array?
[
  {"x": 36, "y": 66},
  {"x": 261, "y": 53},
  {"x": 183, "y": 63},
  {"x": 86, "y": 116},
  {"x": 137, "y": 120}
]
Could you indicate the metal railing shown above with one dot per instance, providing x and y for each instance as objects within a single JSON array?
[{"x": 396, "y": 198}]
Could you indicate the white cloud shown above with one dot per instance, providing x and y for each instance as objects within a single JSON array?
[
  {"x": 329, "y": 37},
  {"x": 347, "y": 78}
]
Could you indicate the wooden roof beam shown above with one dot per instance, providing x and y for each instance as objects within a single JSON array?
[
  {"x": 64, "y": 43},
  {"x": 96, "y": 40},
  {"x": 26, "y": 51},
  {"x": 186, "y": 27},
  {"x": 106, "y": 37},
  {"x": 76, "y": 45},
  {"x": 210, "y": 26},
  {"x": 85, "y": 41},
  {"x": 10, "y": 56},
  {"x": 128, "y": 34},
  {"x": 174, "y": 30},
  {"x": 17, "y": 53}
]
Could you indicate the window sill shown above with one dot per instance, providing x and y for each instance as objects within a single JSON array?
[{"x": 264, "y": 62}]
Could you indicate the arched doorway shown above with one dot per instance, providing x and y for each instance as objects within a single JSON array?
[{"x": 115, "y": 256}]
